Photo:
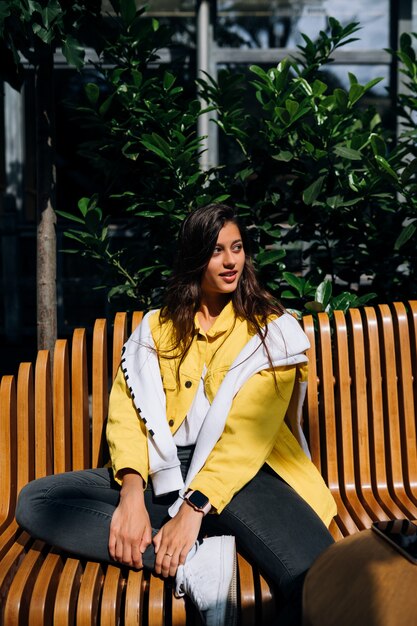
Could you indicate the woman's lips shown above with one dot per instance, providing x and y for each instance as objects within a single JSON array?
[{"x": 228, "y": 277}]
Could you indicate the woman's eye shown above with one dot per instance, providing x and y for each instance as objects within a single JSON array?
[{"x": 238, "y": 247}]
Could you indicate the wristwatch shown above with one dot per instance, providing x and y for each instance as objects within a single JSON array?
[{"x": 198, "y": 501}]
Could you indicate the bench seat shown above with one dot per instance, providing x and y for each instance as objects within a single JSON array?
[{"x": 360, "y": 420}]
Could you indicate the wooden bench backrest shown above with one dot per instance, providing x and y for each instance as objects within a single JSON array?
[{"x": 360, "y": 413}]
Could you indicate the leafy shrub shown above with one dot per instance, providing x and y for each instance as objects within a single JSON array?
[{"x": 312, "y": 165}]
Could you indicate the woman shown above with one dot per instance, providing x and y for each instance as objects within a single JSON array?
[{"x": 197, "y": 425}]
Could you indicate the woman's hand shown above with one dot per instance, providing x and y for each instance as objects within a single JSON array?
[
  {"x": 130, "y": 527},
  {"x": 175, "y": 539}
]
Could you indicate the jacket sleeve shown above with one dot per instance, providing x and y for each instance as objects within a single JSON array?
[
  {"x": 125, "y": 432},
  {"x": 252, "y": 428}
]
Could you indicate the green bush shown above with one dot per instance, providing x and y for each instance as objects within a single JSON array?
[{"x": 312, "y": 165}]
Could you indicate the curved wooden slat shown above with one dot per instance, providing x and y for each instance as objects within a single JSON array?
[
  {"x": 407, "y": 404},
  {"x": 327, "y": 407},
  {"x": 67, "y": 593},
  {"x": 8, "y": 449},
  {"x": 178, "y": 611},
  {"x": 16, "y": 605},
  {"x": 13, "y": 546},
  {"x": 360, "y": 403},
  {"x": 156, "y": 604},
  {"x": 119, "y": 338},
  {"x": 247, "y": 592},
  {"x": 136, "y": 319},
  {"x": 42, "y": 602},
  {"x": 89, "y": 595},
  {"x": 311, "y": 407},
  {"x": 61, "y": 405},
  {"x": 99, "y": 392},
  {"x": 392, "y": 417},
  {"x": 43, "y": 416},
  {"x": 134, "y": 593},
  {"x": 345, "y": 452},
  {"x": 266, "y": 602},
  {"x": 376, "y": 415},
  {"x": 111, "y": 597},
  {"x": 79, "y": 402},
  {"x": 335, "y": 531},
  {"x": 25, "y": 426}
]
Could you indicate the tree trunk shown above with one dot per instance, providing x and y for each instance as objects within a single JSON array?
[{"x": 45, "y": 184}]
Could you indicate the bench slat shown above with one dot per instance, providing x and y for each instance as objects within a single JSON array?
[
  {"x": 16, "y": 606},
  {"x": 80, "y": 435},
  {"x": 360, "y": 408},
  {"x": 111, "y": 597},
  {"x": 44, "y": 591},
  {"x": 89, "y": 595},
  {"x": 25, "y": 426},
  {"x": 43, "y": 416},
  {"x": 134, "y": 598},
  {"x": 67, "y": 593},
  {"x": 376, "y": 412},
  {"x": 61, "y": 408},
  {"x": 100, "y": 392},
  {"x": 392, "y": 417},
  {"x": 8, "y": 451}
]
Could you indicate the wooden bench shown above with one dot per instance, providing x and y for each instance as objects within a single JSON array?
[{"x": 360, "y": 417}]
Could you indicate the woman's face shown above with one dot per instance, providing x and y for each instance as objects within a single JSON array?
[{"x": 225, "y": 267}]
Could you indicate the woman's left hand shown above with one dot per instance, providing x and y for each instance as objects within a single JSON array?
[{"x": 175, "y": 539}]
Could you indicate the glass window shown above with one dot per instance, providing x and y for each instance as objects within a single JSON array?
[{"x": 279, "y": 23}]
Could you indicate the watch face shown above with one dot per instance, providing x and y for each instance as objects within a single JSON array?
[{"x": 198, "y": 499}]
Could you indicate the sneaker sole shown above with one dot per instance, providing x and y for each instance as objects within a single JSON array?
[{"x": 231, "y": 607}]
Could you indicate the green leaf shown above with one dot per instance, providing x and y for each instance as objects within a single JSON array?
[
  {"x": 288, "y": 295},
  {"x": 378, "y": 145},
  {"x": 104, "y": 107},
  {"x": 348, "y": 153},
  {"x": 386, "y": 166},
  {"x": 313, "y": 191},
  {"x": 73, "y": 51},
  {"x": 409, "y": 171},
  {"x": 406, "y": 234},
  {"x": 168, "y": 81},
  {"x": 266, "y": 257},
  {"x": 69, "y": 216},
  {"x": 294, "y": 281},
  {"x": 149, "y": 213},
  {"x": 355, "y": 93},
  {"x": 83, "y": 205},
  {"x": 324, "y": 292},
  {"x": 259, "y": 72},
  {"x": 92, "y": 92},
  {"x": 341, "y": 98},
  {"x": 128, "y": 11},
  {"x": 284, "y": 155},
  {"x": 45, "y": 34},
  {"x": 315, "y": 307}
]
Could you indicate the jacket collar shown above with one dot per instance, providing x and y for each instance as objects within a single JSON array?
[{"x": 222, "y": 324}]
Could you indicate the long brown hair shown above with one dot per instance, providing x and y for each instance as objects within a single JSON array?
[{"x": 196, "y": 242}]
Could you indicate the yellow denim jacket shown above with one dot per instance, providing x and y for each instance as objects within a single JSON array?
[{"x": 255, "y": 431}]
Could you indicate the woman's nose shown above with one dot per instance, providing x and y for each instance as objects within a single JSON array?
[{"x": 228, "y": 260}]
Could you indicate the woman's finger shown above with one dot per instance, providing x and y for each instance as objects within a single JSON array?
[{"x": 136, "y": 556}]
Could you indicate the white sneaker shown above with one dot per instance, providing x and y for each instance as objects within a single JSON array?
[{"x": 209, "y": 579}]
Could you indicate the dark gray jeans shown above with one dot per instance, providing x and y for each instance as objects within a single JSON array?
[{"x": 274, "y": 526}]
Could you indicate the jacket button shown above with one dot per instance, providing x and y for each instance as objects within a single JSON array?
[
  {"x": 171, "y": 422},
  {"x": 188, "y": 384}
]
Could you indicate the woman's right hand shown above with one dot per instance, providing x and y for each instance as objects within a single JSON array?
[{"x": 130, "y": 527}]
